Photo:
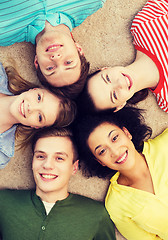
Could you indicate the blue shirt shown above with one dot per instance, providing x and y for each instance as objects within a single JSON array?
[
  {"x": 7, "y": 138},
  {"x": 23, "y": 20}
]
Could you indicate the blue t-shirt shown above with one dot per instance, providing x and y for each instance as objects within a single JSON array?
[
  {"x": 23, "y": 20},
  {"x": 7, "y": 138}
]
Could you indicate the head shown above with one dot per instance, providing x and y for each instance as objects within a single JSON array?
[
  {"x": 128, "y": 123},
  {"x": 55, "y": 160},
  {"x": 39, "y": 108},
  {"x": 110, "y": 88},
  {"x": 72, "y": 90},
  {"x": 58, "y": 59}
]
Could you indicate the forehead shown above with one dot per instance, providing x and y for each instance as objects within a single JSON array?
[
  {"x": 50, "y": 107},
  {"x": 54, "y": 144},
  {"x": 104, "y": 128},
  {"x": 100, "y": 92}
]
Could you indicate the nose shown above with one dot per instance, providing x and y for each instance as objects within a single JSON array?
[
  {"x": 55, "y": 56},
  {"x": 118, "y": 84},
  {"x": 48, "y": 163},
  {"x": 32, "y": 107},
  {"x": 113, "y": 152}
]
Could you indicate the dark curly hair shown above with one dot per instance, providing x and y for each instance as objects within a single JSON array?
[
  {"x": 71, "y": 91},
  {"x": 85, "y": 103},
  {"x": 128, "y": 117}
]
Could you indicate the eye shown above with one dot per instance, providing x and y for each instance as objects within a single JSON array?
[
  {"x": 40, "y": 156},
  {"x": 102, "y": 151},
  {"x": 114, "y": 95},
  {"x": 49, "y": 68},
  {"x": 40, "y": 117},
  {"x": 39, "y": 97},
  {"x": 114, "y": 138},
  {"x": 107, "y": 78},
  {"x": 68, "y": 62},
  {"x": 60, "y": 159}
]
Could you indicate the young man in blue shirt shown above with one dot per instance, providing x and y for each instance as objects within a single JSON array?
[{"x": 60, "y": 61}]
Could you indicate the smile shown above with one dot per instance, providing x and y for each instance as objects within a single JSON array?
[
  {"x": 123, "y": 158},
  {"x": 22, "y": 109},
  {"x": 53, "y": 48},
  {"x": 128, "y": 80},
  {"x": 48, "y": 176}
]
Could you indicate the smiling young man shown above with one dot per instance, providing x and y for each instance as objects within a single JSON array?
[
  {"x": 60, "y": 61},
  {"x": 50, "y": 211}
]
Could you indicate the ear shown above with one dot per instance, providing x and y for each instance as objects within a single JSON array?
[
  {"x": 120, "y": 107},
  {"x": 35, "y": 62},
  {"x": 79, "y": 48},
  {"x": 75, "y": 167},
  {"x": 128, "y": 134}
]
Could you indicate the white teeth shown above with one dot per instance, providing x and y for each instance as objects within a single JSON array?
[
  {"x": 48, "y": 176},
  {"x": 51, "y": 48},
  {"x": 22, "y": 109},
  {"x": 123, "y": 157},
  {"x": 128, "y": 82}
]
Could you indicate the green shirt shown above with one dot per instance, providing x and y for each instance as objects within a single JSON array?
[{"x": 23, "y": 216}]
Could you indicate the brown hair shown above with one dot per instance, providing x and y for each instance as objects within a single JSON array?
[
  {"x": 55, "y": 132},
  {"x": 72, "y": 90},
  {"x": 17, "y": 85}
]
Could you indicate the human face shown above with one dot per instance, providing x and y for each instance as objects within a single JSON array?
[
  {"x": 53, "y": 166},
  {"x": 58, "y": 58},
  {"x": 111, "y": 88},
  {"x": 36, "y": 108},
  {"x": 112, "y": 147}
]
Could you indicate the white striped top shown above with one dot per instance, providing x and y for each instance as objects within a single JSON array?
[{"x": 150, "y": 32}]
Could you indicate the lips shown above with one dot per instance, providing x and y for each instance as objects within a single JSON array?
[
  {"x": 48, "y": 177},
  {"x": 128, "y": 80},
  {"x": 122, "y": 159},
  {"x": 22, "y": 109},
  {"x": 53, "y": 48}
]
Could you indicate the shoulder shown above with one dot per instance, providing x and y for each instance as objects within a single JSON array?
[
  {"x": 160, "y": 140},
  {"x": 9, "y": 195},
  {"x": 152, "y": 10},
  {"x": 3, "y": 81},
  {"x": 87, "y": 203}
]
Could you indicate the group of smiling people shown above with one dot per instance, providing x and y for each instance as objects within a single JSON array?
[{"x": 111, "y": 136}]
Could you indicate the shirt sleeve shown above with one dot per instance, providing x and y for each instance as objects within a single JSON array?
[
  {"x": 130, "y": 230},
  {"x": 4, "y": 81},
  {"x": 106, "y": 229}
]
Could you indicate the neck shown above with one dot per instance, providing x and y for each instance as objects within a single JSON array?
[
  {"x": 146, "y": 73},
  {"x": 52, "y": 197},
  {"x": 132, "y": 176},
  {"x": 48, "y": 27}
]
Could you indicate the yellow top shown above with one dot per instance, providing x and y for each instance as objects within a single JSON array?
[{"x": 140, "y": 215}]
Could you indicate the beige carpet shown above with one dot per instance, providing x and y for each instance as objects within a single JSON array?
[{"x": 106, "y": 40}]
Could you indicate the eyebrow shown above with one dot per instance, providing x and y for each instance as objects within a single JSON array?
[
  {"x": 111, "y": 97},
  {"x": 103, "y": 78},
  {"x": 108, "y": 137},
  {"x": 59, "y": 153}
]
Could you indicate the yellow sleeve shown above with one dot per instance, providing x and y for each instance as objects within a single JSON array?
[{"x": 130, "y": 230}]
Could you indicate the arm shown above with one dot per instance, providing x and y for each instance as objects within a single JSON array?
[{"x": 106, "y": 229}]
